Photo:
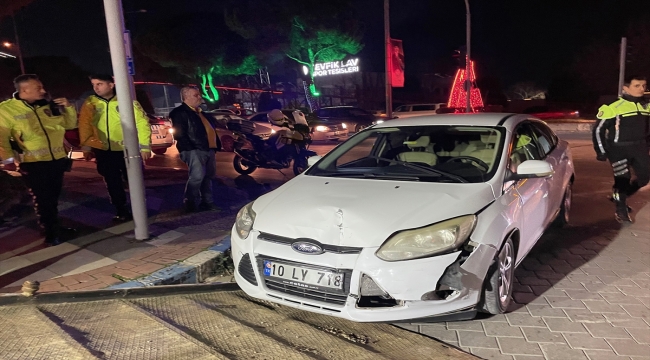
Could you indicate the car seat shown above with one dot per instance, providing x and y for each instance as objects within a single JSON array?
[{"x": 418, "y": 152}]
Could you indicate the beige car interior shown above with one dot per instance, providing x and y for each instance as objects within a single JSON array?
[
  {"x": 419, "y": 152},
  {"x": 424, "y": 151}
]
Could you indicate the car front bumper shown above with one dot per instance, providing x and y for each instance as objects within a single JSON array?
[{"x": 407, "y": 282}]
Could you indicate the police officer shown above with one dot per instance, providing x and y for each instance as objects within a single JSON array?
[
  {"x": 621, "y": 136},
  {"x": 37, "y": 126},
  {"x": 100, "y": 133}
]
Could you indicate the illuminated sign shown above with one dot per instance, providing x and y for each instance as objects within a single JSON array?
[{"x": 336, "y": 67}]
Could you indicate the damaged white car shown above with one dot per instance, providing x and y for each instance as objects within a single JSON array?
[{"x": 410, "y": 219}]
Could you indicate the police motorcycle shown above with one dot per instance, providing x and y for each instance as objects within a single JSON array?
[{"x": 289, "y": 143}]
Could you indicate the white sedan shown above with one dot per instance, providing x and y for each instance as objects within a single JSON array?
[{"x": 409, "y": 219}]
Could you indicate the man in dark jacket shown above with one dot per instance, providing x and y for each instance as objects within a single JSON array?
[
  {"x": 197, "y": 142},
  {"x": 621, "y": 136}
]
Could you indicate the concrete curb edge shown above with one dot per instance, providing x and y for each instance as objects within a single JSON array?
[{"x": 192, "y": 270}]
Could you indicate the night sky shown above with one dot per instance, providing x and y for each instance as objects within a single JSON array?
[{"x": 514, "y": 40}]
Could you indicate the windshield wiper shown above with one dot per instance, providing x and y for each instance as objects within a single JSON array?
[
  {"x": 420, "y": 167},
  {"x": 369, "y": 175}
]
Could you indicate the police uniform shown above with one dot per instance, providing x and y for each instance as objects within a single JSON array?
[
  {"x": 38, "y": 131},
  {"x": 100, "y": 129},
  {"x": 621, "y": 136}
]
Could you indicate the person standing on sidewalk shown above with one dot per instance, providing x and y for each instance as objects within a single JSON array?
[
  {"x": 621, "y": 136},
  {"x": 100, "y": 133},
  {"x": 197, "y": 142},
  {"x": 37, "y": 127}
]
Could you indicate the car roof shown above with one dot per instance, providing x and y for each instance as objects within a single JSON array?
[{"x": 476, "y": 119}]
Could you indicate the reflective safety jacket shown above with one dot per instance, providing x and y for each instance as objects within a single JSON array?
[
  {"x": 36, "y": 128},
  {"x": 100, "y": 126},
  {"x": 623, "y": 122}
]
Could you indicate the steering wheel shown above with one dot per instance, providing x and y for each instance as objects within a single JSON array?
[{"x": 478, "y": 161}]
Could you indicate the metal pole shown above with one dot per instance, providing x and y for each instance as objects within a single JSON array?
[
  {"x": 20, "y": 52},
  {"x": 621, "y": 69},
  {"x": 468, "y": 83},
  {"x": 123, "y": 86},
  {"x": 389, "y": 80}
]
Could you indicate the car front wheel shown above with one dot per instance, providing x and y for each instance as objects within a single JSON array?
[{"x": 497, "y": 291}]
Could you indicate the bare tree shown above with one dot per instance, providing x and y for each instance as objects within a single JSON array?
[{"x": 526, "y": 91}]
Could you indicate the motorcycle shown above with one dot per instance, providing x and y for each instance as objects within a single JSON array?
[{"x": 252, "y": 152}]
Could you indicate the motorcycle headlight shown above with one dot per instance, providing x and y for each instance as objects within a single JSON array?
[
  {"x": 427, "y": 241},
  {"x": 244, "y": 221},
  {"x": 322, "y": 128}
]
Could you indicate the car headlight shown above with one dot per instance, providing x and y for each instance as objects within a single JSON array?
[
  {"x": 322, "y": 128},
  {"x": 344, "y": 125},
  {"x": 427, "y": 241},
  {"x": 244, "y": 221},
  {"x": 377, "y": 122}
]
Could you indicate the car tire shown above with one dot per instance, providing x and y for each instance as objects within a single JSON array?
[
  {"x": 497, "y": 291},
  {"x": 159, "y": 151},
  {"x": 563, "y": 217},
  {"x": 241, "y": 168}
]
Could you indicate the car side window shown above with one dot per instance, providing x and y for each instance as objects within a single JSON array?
[
  {"x": 545, "y": 143},
  {"x": 400, "y": 108},
  {"x": 259, "y": 118},
  {"x": 523, "y": 147}
]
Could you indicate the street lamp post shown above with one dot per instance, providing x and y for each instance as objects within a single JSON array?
[
  {"x": 468, "y": 82},
  {"x": 124, "y": 90}
]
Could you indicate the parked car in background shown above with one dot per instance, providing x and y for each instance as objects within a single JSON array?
[
  {"x": 549, "y": 113},
  {"x": 411, "y": 219},
  {"x": 162, "y": 135},
  {"x": 321, "y": 129},
  {"x": 419, "y": 108},
  {"x": 226, "y": 136},
  {"x": 355, "y": 118}
]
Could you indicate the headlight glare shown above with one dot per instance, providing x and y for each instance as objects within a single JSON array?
[
  {"x": 244, "y": 221},
  {"x": 430, "y": 240}
]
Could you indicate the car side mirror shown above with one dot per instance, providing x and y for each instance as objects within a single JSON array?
[
  {"x": 313, "y": 160},
  {"x": 532, "y": 169}
]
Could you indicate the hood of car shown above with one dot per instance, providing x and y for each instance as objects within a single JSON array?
[{"x": 361, "y": 213}]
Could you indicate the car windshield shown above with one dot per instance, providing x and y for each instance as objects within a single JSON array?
[{"x": 434, "y": 153}]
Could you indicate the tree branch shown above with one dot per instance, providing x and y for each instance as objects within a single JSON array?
[{"x": 297, "y": 60}]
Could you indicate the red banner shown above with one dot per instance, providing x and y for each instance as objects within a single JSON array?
[{"x": 396, "y": 62}]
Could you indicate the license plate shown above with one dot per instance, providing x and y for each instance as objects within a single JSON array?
[{"x": 303, "y": 277}]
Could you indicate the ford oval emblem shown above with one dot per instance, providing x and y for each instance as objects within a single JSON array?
[{"x": 307, "y": 248}]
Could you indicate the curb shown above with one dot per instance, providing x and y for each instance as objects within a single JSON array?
[{"x": 193, "y": 270}]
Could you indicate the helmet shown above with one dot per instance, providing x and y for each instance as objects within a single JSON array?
[{"x": 276, "y": 117}]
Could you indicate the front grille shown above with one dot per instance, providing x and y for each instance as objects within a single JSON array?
[
  {"x": 336, "y": 249},
  {"x": 245, "y": 269},
  {"x": 330, "y": 297}
]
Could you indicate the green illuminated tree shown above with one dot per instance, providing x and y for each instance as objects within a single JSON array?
[
  {"x": 310, "y": 45},
  {"x": 200, "y": 48},
  {"x": 305, "y": 31}
]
